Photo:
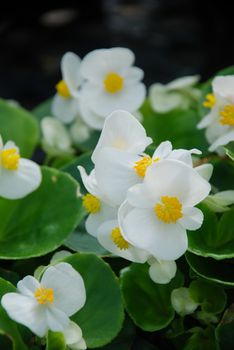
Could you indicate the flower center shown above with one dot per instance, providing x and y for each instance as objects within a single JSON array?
[
  {"x": 63, "y": 89},
  {"x": 118, "y": 239},
  {"x": 170, "y": 210},
  {"x": 227, "y": 115},
  {"x": 210, "y": 101},
  {"x": 91, "y": 203},
  {"x": 113, "y": 83},
  {"x": 44, "y": 295},
  {"x": 10, "y": 159},
  {"x": 142, "y": 165}
]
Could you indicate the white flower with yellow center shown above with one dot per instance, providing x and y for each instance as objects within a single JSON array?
[
  {"x": 112, "y": 82},
  {"x": 219, "y": 122},
  {"x": 18, "y": 176},
  {"x": 65, "y": 104},
  {"x": 179, "y": 93},
  {"x": 163, "y": 209},
  {"x": 48, "y": 304}
]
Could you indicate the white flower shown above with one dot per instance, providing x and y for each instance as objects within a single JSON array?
[
  {"x": 18, "y": 176},
  {"x": 111, "y": 83},
  {"x": 56, "y": 139},
  {"x": 179, "y": 93},
  {"x": 182, "y": 301},
  {"x": 79, "y": 131},
  {"x": 219, "y": 122},
  {"x": 162, "y": 271},
  {"x": 48, "y": 304},
  {"x": 73, "y": 337},
  {"x": 110, "y": 237},
  {"x": 163, "y": 208},
  {"x": 65, "y": 104}
]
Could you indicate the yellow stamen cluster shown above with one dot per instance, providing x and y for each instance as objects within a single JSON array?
[
  {"x": 170, "y": 210},
  {"x": 210, "y": 101},
  {"x": 118, "y": 239},
  {"x": 113, "y": 83},
  {"x": 9, "y": 159},
  {"x": 227, "y": 115},
  {"x": 63, "y": 89},
  {"x": 91, "y": 203},
  {"x": 44, "y": 295},
  {"x": 142, "y": 165}
]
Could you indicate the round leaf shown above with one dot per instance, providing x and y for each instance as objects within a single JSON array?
[
  {"x": 19, "y": 126},
  {"x": 40, "y": 222},
  {"x": 102, "y": 316},
  {"x": 148, "y": 303}
]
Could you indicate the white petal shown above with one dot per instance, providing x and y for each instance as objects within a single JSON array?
[
  {"x": 27, "y": 311},
  {"x": 68, "y": 287},
  {"x": 57, "y": 320},
  {"x": 163, "y": 101},
  {"x": 115, "y": 173},
  {"x": 81, "y": 345},
  {"x": 162, "y": 271},
  {"x": 89, "y": 181},
  {"x": 65, "y": 109},
  {"x": 183, "y": 82},
  {"x": 205, "y": 170},
  {"x": 224, "y": 197},
  {"x": 134, "y": 74},
  {"x": 175, "y": 179},
  {"x": 55, "y": 134},
  {"x": 208, "y": 118},
  {"x": 129, "y": 98},
  {"x": 28, "y": 286},
  {"x": 131, "y": 254},
  {"x": 223, "y": 87},
  {"x": 94, "y": 221},
  {"x": 122, "y": 131},
  {"x": 19, "y": 183},
  {"x": 11, "y": 144},
  {"x": 72, "y": 333},
  {"x": 79, "y": 131},
  {"x": 90, "y": 117},
  {"x": 222, "y": 140},
  {"x": 96, "y": 64},
  {"x": 163, "y": 150},
  {"x": 192, "y": 218},
  {"x": 70, "y": 66},
  {"x": 164, "y": 241},
  {"x": 139, "y": 196}
]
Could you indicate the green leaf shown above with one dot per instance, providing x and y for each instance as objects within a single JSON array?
[
  {"x": 124, "y": 339},
  {"x": 211, "y": 298},
  {"x": 55, "y": 341},
  {"x": 148, "y": 303},
  {"x": 102, "y": 316},
  {"x": 39, "y": 223},
  {"x": 178, "y": 126},
  {"x": 230, "y": 150},
  {"x": 7, "y": 326},
  {"x": 218, "y": 271},
  {"x": 43, "y": 109},
  {"x": 223, "y": 169},
  {"x": 201, "y": 339},
  {"x": 20, "y": 126},
  {"x": 214, "y": 239},
  {"x": 224, "y": 330}
]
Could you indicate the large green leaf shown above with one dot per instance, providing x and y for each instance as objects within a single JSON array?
[
  {"x": 224, "y": 330},
  {"x": 211, "y": 298},
  {"x": 177, "y": 126},
  {"x": 148, "y": 303},
  {"x": 102, "y": 316},
  {"x": 20, "y": 126},
  {"x": 7, "y": 326},
  {"x": 40, "y": 222},
  {"x": 124, "y": 339},
  {"x": 214, "y": 239},
  {"x": 218, "y": 271}
]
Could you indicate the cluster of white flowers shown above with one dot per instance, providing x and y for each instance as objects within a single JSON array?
[
  {"x": 219, "y": 122},
  {"x": 49, "y": 303},
  {"x": 94, "y": 87},
  {"x": 18, "y": 176},
  {"x": 140, "y": 206}
]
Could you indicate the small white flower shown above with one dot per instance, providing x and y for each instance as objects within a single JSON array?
[
  {"x": 111, "y": 83},
  {"x": 73, "y": 337},
  {"x": 65, "y": 104},
  {"x": 219, "y": 122},
  {"x": 48, "y": 304},
  {"x": 182, "y": 301},
  {"x": 163, "y": 209},
  {"x": 18, "y": 176},
  {"x": 162, "y": 271},
  {"x": 56, "y": 139},
  {"x": 179, "y": 93}
]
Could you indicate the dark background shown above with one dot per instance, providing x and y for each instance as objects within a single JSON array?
[{"x": 170, "y": 38}]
